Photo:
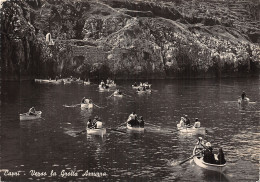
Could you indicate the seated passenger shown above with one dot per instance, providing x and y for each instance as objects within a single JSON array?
[
  {"x": 187, "y": 120},
  {"x": 89, "y": 123},
  {"x": 208, "y": 154},
  {"x": 141, "y": 122},
  {"x": 221, "y": 157},
  {"x": 197, "y": 123}
]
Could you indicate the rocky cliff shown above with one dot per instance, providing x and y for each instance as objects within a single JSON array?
[{"x": 130, "y": 39}]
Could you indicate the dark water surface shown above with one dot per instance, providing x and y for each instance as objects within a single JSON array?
[{"x": 52, "y": 144}]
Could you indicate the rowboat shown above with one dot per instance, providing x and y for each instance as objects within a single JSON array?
[
  {"x": 200, "y": 130},
  {"x": 87, "y": 83},
  {"x": 26, "y": 116},
  {"x": 86, "y": 106},
  {"x": 243, "y": 101},
  {"x": 198, "y": 159},
  {"x": 134, "y": 128},
  {"x": 96, "y": 131}
]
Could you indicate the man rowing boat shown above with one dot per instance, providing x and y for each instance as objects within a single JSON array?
[
  {"x": 32, "y": 111},
  {"x": 208, "y": 155},
  {"x": 243, "y": 96}
]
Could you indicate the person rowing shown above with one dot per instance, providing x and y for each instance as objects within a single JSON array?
[
  {"x": 181, "y": 124},
  {"x": 32, "y": 111},
  {"x": 89, "y": 123},
  {"x": 85, "y": 101},
  {"x": 243, "y": 95},
  {"x": 197, "y": 123},
  {"x": 186, "y": 120},
  {"x": 132, "y": 119},
  {"x": 209, "y": 156}
]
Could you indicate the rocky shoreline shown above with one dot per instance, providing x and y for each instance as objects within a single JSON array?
[{"x": 129, "y": 40}]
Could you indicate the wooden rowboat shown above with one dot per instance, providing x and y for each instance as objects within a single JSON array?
[
  {"x": 86, "y": 106},
  {"x": 97, "y": 131},
  {"x": 26, "y": 116},
  {"x": 134, "y": 128},
  {"x": 198, "y": 159},
  {"x": 200, "y": 130}
]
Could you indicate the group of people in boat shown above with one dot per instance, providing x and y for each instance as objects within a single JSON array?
[
  {"x": 135, "y": 121},
  {"x": 142, "y": 86},
  {"x": 185, "y": 122},
  {"x": 91, "y": 124},
  {"x": 208, "y": 155}
]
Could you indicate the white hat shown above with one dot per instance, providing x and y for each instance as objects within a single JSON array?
[{"x": 208, "y": 144}]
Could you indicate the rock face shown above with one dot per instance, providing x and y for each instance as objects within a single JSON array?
[{"x": 130, "y": 39}]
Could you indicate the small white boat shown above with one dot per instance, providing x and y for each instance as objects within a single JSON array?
[
  {"x": 192, "y": 129},
  {"x": 198, "y": 159},
  {"x": 134, "y": 128},
  {"x": 97, "y": 131},
  {"x": 26, "y": 116},
  {"x": 87, "y": 83},
  {"x": 86, "y": 106},
  {"x": 243, "y": 101}
]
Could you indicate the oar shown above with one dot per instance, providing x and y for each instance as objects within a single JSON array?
[
  {"x": 110, "y": 95},
  {"x": 75, "y": 105},
  {"x": 98, "y": 106},
  {"x": 115, "y": 130},
  {"x": 190, "y": 158},
  {"x": 42, "y": 118},
  {"x": 126, "y": 95}
]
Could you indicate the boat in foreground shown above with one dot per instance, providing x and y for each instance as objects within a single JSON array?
[
  {"x": 198, "y": 159},
  {"x": 27, "y": 116},
  {"x": 98, "y": 130},
  {"x": 134, "y": 128}
]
